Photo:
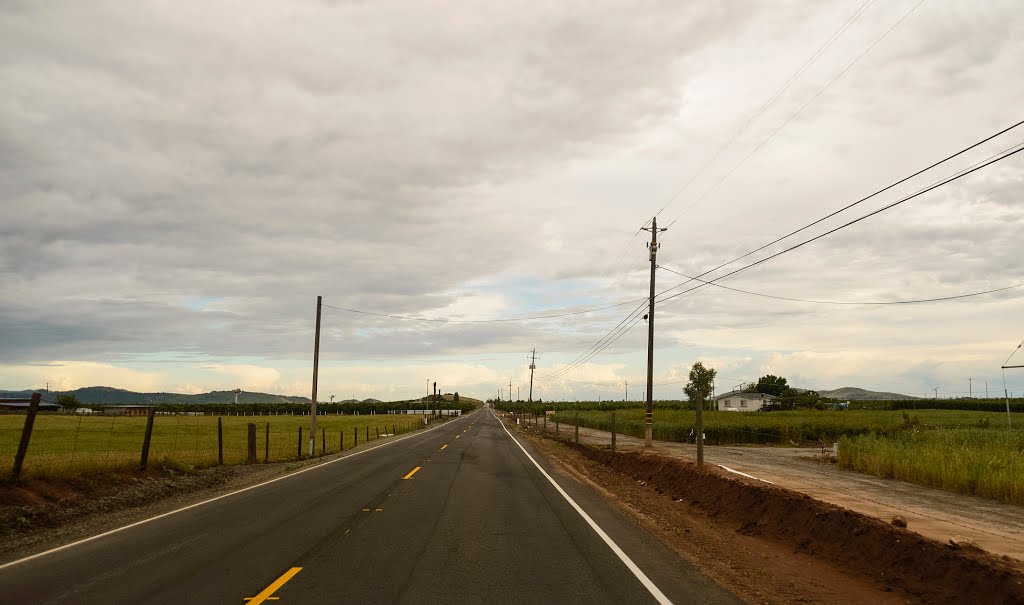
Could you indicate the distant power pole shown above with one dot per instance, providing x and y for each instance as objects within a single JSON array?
[
  {"x": 936, "y": 389},
  {"x": 518, "y": 396},
  {"x": 970, "y": 388},
  {"x": 627, "y": 391},
  {"x": 653, "y": 248},
  {"x": 510, "y": 390},
  {"x": 316, "y": 364},
  {"x": 533, "y": 366}
]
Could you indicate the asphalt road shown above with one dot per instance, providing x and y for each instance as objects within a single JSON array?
[{"x": 478, "y": 522}]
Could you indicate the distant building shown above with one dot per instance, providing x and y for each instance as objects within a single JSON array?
[
  {"x": 743, "y": 401},
  {"x": 23, "y": 407}
]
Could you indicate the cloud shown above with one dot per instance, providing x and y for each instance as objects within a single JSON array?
[{"x": 181, "y": 183}]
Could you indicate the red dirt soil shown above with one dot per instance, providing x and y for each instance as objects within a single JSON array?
[{"x": 897, "y": 558}]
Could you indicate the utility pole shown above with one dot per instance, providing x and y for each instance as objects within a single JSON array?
[
  {"x": 316, "y": 366},
  {"x": 653, "y": 248},
  {"x": 986, "y": 389},
  {"x": 627, "y": 391},
  {"x": 970, "y": 388},
  {"x": 936, "y": 389},
  {"x": 533, "y": 366},
  {"x": 510, "y": 390}
]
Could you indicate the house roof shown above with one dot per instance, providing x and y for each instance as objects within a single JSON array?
[{"x": 745, "y": 395}]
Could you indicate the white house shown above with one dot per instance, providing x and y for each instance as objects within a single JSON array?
[{"x": 737, "y": 401}]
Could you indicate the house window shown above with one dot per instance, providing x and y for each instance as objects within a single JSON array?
[{"x": 743, "y": 403}]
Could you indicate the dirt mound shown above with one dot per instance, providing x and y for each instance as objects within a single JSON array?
[{"x": 896, "y": 558}]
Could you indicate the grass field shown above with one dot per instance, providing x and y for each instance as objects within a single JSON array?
[
  {"x": 803, "y": 427},
  {"x": 65, "y": 445},
  {"x": 969, "y": 452},
  {"x": 980, "y": 462}
]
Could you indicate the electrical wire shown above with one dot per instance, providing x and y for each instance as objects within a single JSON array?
[
  {"x": 836, "y": 302},
  {"x": 798, "y": 112},
  {"x": 478, "y": 321},
  {"x": 851, "y": 205},
  {"x": 613, "y": 336},
  {"x": 999, "y": 157},
  {"x": 833, "y": 37}
]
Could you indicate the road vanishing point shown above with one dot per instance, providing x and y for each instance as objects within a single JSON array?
[{"x": 460, "y": 513}]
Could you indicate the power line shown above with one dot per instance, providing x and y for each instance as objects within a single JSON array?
[
  {"x": 1015, "y": 150},
  {"x": 835, "y": 302},
  {"x": 798, "y": 112},
  {"x": 618, "y": 332},
  {"x": 833, "y": 37},
  {"x": 851, "y": 205},
  {"x": 491, "y": 320}
]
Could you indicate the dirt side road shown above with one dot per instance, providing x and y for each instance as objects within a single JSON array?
[{"x": 996, "y": 527}]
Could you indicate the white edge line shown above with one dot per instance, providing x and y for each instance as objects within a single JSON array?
[
  {"x": 197, "y": 504},
  {"x": 744, "y": 474},
  {"x": 640, "y": 575}
]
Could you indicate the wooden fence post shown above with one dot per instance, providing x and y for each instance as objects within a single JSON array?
[
  {"x": 355, "y": 436},
  {"x": 545, "y": 430},
  {"x": 26, "y": 434},
  {"x": 300, "y": 442},
  {"x": 220, "y": 441},
  {"x": 377, "y": 430},
  {"x": 251, "y": 458},
  {"x": 144, "y": 462},
  {"x": 323, "y": 441},
  {"x": 341, "y": 441},
  {"x": 394, "y": 429},
  {"x": 613, "y": 431},
  {"x": 266, "y": 445},
  {"x": 577, "y": 422},
  {"x": 367, "y": 433},
  {"x": 556, "y": 427}
]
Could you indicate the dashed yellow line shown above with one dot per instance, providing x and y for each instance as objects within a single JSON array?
[
  {"x": 444, "y": 446},
  {"x": 411, "y": 473},
  {"x": 457, "y": 436},
  {"x": 267, "y": 593}
]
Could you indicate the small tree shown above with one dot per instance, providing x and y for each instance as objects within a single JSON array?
[
  {"x": 455, "y": 398},
  {"x": 698, "y": 390},
  {"x": 67, "y": 401}
]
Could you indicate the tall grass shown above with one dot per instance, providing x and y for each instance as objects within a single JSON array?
[
  {"x": 66, "y": 445},
  {"x": 976, "y": 461},
  {"x": 803, "y": 427}
]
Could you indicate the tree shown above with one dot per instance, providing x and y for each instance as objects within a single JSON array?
[
  {"x": 455, "y": 397},
  {"x": 67, "y": 401},
  {"x": 772, "y": 385},
  {"x": 698, "y": 390}
]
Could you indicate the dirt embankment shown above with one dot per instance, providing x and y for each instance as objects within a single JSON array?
[{"x": 891, "y": 558}]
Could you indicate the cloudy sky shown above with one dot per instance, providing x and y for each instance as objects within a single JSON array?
[{"x": 179, "y": 181}]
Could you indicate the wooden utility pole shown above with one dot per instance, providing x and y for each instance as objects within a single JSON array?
[
  {"x": 533, "y": 366},
  {"x": 648, "y": 417},
  {"x": 510, "y": 390},
  {"x": 316, "y": 364}
]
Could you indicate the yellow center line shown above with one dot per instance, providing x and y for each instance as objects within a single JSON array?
[
  {"x": 444, "y": 446},
  {"x": 457, "y": 436},
  {"x": 411, "y": 473},
  {"x": 267, "y": 594},
  {"x": 379, "y": 510}
]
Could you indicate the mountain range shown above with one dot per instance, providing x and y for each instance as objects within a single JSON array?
[{"x": 109, "y": 395}]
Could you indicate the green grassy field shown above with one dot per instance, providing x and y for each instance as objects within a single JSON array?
[
  {"x": 65, "y": 445},
  {"x": 980, "y": 462},
  {"x": 969, "y": 452},
  {"x": 799, "y": 428}
]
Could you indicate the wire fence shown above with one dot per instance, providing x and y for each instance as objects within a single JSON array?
[{"x": 65, "y": 445}]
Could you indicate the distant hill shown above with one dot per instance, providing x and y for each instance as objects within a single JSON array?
[
  {"x": 856, "y": 394},
  {"x": 112, "y": 396}
]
